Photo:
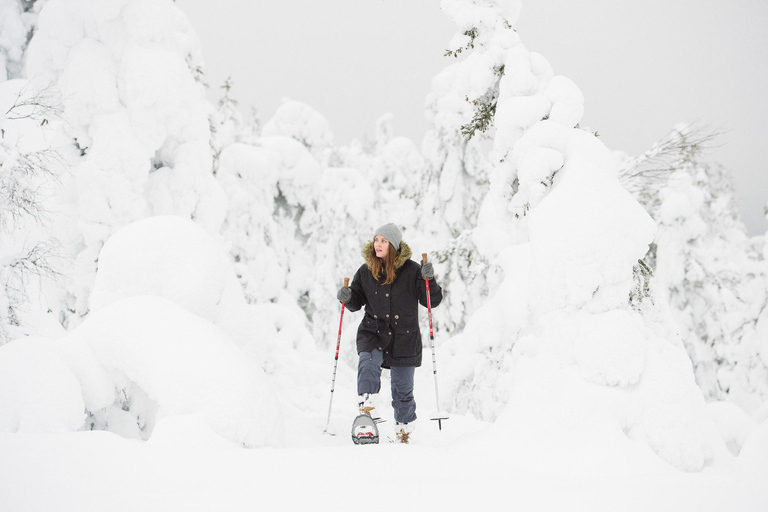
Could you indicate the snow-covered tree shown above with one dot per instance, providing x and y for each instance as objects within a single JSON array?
[
  {"x": 229, "y": 126},
  {"x": 559, "y": 339},
  {"x": 454, "y": 184},
  {"x": 712, "y": 274},
  {"x": 136, "y": 121},
  {"x": 295, "y": 224}
]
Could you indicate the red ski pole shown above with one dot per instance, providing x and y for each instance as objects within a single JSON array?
[
  {"x": 439, "y": 417},
  {"x": 336, "y": 361}
]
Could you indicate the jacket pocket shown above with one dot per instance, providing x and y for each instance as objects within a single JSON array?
[{"x": 407, "y": 339}]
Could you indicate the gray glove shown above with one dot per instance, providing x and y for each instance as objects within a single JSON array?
[
  {"x": 427, "y": 272},
  {"x": 344, "y": 294}
]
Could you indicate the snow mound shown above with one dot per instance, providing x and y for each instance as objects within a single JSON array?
[
  {"x": 183, "y": 364},
  {"x": 734, "y": 425},
  {"x": 667, "y": 411},
  {"x": 187, "y": 430},
  {"x": 38, "y": 391},
  {"x": 559, "y": 424},
  {"x": 174, "y": 258},
  {"x": 753, "y": 459}
]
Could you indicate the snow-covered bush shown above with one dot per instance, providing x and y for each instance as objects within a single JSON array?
[
  {"x": 169, "y": 334},
  {"x": 174, "y": 258},
  {"x": 161, "y": 360}
]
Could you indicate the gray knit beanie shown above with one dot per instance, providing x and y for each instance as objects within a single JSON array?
[{"x": 391, "y": 233}]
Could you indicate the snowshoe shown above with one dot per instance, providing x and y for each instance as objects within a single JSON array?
[{"x": 364, "y": 430}]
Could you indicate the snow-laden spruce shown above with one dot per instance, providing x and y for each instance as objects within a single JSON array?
[
  {"x": 559, "y": 339},
  {"x": 452, "y": 188}
]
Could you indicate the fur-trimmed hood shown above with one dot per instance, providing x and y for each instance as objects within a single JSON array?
[{"x": 403, "y": 255}]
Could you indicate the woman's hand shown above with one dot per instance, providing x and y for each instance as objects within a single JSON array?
[
  {"x": 427, "y": 272},
  {"x": 344, "y": 294}
]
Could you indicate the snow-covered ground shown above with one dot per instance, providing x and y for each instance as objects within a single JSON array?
[{"x": 466, "y": 466}]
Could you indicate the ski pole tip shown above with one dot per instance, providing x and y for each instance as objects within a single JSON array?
[{"x": 439, "y": 422}]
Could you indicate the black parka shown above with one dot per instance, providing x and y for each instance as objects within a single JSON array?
[{"x": 391, "y": 321}]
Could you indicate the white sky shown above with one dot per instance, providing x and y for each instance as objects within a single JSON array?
[{"x": 642, "y": 66}]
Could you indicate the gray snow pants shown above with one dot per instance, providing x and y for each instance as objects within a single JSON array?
[{"x": 369, "y": 381}]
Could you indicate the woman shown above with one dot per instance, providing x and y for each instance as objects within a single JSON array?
[{"x": 391, "y": 286}]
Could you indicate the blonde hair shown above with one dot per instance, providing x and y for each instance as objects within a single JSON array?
[{"x": 385, "y": 266}]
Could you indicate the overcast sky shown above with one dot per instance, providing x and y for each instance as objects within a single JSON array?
[{"x": 642, "y": 66}]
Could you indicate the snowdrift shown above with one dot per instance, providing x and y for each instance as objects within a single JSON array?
[
  {"x": 151, "y": 347},
  {"x": 174, "y": 258}
]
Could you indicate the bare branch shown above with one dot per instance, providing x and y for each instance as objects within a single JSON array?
[
  {"x": 39, "y": 104},
  {"x": 35, "y": 263},
  {"x": 651, "y": 170},
  {"x": 21, "y": 181}
]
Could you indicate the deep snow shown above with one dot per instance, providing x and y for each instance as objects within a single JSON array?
[{"x": 459, "y": 468}]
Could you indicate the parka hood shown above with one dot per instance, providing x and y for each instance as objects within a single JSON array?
[{"x": 403, "y": 255}]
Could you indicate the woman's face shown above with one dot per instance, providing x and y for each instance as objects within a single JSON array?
[{"x": 380, "y": 246}]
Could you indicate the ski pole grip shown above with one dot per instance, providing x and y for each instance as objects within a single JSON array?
[
  {"x": 423, "y": 257},
  {"x": 346, "y": 282}
]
